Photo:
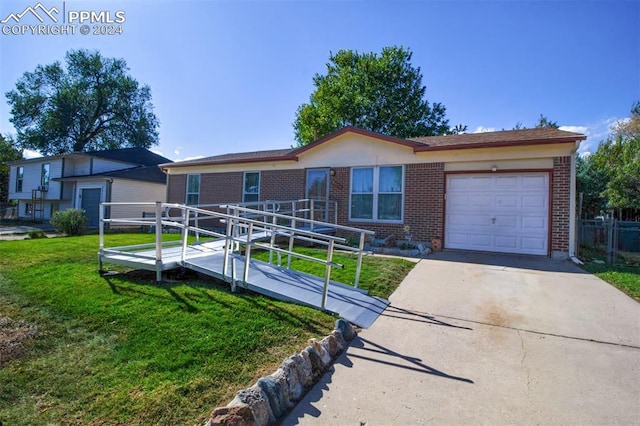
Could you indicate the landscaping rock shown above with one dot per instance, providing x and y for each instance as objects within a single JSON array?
[
  {"x": 339, "y": 339},
  {"x": 291, "y": 372},
  {"x": 330, "y": 343},
  {"x": 322, "y": 351},
  {"x": 275, "y": 395},
  {"x": 306, "y": 367},
  {"x": 348, "y": 332},
  {"x": 259, "y": 404},
  {"x": 317, "y": 365},
  {"x": 237, "y": 415},
  {"x": 281, "y": 379}
]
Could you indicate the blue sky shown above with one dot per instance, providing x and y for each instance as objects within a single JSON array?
[{"x": 228, "y": 76}]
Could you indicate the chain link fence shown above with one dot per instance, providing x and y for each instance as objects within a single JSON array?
[{"x": 609, "y": 239}]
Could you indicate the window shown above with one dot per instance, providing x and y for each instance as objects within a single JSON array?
[
  {"x": 251, "y": 187},
  {"x": 44, "y": 176},
  {"x": 377, "y": 193},
  {"x": 28, "y": 208},
  {"x": 19, "y": 178},
  {"x": 193, "y": 190}
]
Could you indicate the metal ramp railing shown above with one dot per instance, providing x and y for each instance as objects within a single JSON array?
[{"x": 244, "y": 229}]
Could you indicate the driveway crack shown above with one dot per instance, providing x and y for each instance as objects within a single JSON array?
[{"x": 522, "y": 363}]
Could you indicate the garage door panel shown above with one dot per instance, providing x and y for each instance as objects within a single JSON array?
[
  {"x": 459, "y": 201},
  {"x": 534, "y": 223},
  {"x": 498, "y": 212},
  {"x": 481, "y": 200},
  {"x": 507, "y": 201},
  {"x": 534, "y": 201},
  {"x": 533, "y": 243},
  {"x": 506, "y": 182},
  {"x": 464, "y": 221},
  {"x": 506, "y": 242},
  {"x": 536, "y": 181},
  {"x": 507, "y": 222}
]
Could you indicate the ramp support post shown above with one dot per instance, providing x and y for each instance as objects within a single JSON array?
[{"x": 327, "y": 275}]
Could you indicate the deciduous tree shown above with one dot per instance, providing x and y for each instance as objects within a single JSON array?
[
  {"x": 8, "y": 152},
  {"x": 378, "y": 92},
  {"x": 619, "y": 158},
  {"x": 91, "y": 104}
]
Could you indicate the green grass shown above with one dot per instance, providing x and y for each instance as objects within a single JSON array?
[
  {"x": 625, "y": 278},
  {"x": 380, "y": 275},
  {"x": 124, "y": 350},
  {"x": 625, "y": 275}
]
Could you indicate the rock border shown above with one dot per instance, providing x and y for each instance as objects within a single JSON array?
[{"x": 271, "y": 397}]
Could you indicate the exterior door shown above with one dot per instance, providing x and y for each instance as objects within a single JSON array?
[
  {"x": 506, "y": 213},
  {"x": 90, "y": 203},
  {"x": 318, "y": 190}
]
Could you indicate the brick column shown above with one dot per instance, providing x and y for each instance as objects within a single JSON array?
[{"x": 560, "y": 201}]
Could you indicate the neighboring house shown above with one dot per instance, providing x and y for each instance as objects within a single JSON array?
[
  {"x": 85, "y": 179},
  {"x": 509, "y": 191}
]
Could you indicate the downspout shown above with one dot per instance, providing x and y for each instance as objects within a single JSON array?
[{"x": 572, "y": 207}]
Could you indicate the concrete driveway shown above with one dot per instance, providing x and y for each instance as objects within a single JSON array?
[{"x": 489, "y": 339}]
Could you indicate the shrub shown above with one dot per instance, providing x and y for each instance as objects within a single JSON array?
[
  {"x": 33, "y": 234},
  {"x": 70, "y": 221}
]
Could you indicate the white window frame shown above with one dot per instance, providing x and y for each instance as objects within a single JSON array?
[
  {"x": 43, "y": 182},
  {"x": 244, "y": 192},
  {"x": 19, "y": 178},
  {"x": 187, "y": 193},
  {"x": 376, "y": 193}
]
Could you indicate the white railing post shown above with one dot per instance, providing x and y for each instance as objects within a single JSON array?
[
  {"x": 185, "y": 231},
  {"x": 312, "y": 213},
  {"x": 196, "y": 224},
  {"x": 227, "y": 247},
  {"x": 158, "y": 241},
  {"x": 293, "y": 213},
  {"x": 293, "y": 226},
  {"x": 247, "y": 255},
  {"x": 327, "y": 274},
  {"x": 359, "y": 266},
  {"x": 233, "y": 275},
  {"x": 272, "y": 242},
  {"x": 101, "y": 230}
]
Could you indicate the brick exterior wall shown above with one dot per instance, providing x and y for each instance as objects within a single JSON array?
[
  {"x": 177, "y": 189},
  {"x": 221, "y": 188},
  {"x": 423, "y": 202},
  {"x": 227, "y": 187},
  {"x": 282, "y": 184},
  {"x": 560, "y": 201},
  {"x": 423, "y": 197}
]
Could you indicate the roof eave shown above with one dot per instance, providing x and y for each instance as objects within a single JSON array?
[
  {"x": 501, "y": 144},
  {"x": 224, "y": 162}
]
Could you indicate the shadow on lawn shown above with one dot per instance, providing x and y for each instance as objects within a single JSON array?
[{"x": 133, "y": 283}]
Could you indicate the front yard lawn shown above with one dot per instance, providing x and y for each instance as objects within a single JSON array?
[{"x": 80, "y": 349}]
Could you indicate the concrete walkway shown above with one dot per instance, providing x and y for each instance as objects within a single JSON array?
[
  {"x": 489, "y": 339},
  {"x": 19, "y": 232}
]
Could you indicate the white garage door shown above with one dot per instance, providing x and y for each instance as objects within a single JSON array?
[{"x": 506, "y": 213}]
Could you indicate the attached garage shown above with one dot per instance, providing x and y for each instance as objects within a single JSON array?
[{"x": 498, "y": 212}]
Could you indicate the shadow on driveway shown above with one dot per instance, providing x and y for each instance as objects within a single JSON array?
[{"x": 505, "y": 260}]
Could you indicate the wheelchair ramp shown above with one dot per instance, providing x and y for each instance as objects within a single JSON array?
[{"x": 352, "y": 304}]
